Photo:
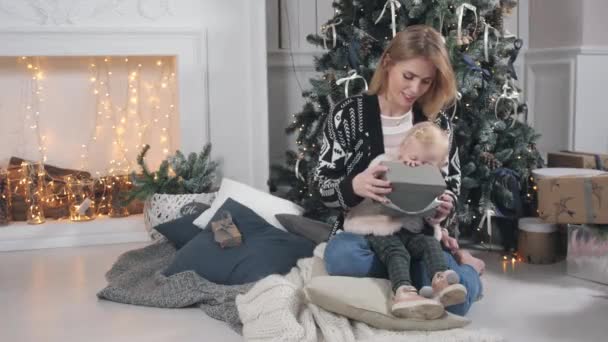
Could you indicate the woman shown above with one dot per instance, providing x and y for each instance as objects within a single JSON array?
[{"x": 413, "y": 82}]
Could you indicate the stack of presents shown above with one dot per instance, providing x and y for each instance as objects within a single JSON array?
[{"x": 573, "y": 193}]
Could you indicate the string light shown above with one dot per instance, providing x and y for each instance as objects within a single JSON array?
[{"x": 120, "y": 118}]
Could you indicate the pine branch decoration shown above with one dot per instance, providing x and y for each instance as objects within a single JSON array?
[{"x": 177, "y": 174}]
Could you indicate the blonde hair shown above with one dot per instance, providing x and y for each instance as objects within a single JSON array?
[
  {"x": 420, "y": 41},
  {"x": 430, "y": 136}
]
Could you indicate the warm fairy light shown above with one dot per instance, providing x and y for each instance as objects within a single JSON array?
[{"x": 159, "y": 63}]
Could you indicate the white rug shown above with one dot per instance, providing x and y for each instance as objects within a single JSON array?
[{"x": 275, "y": 309}]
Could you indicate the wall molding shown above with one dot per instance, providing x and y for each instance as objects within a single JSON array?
[
  {"x": 302, "y": 60},
  {"x": 568, "y": 52},
  {"x": 189, "y": 44},
  {"x": 561, "y": 61},
  {"x": 551, "y": 66}
]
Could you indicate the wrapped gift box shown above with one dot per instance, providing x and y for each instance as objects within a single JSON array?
[
  {"x": 580, "y": 160},
  {"x": 588, "y": 252},
  {"x": 572, "y": 196},
  {"x": 225, "y": 231}
]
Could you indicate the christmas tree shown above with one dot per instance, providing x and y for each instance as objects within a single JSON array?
[{"x": 496, "y": 146}]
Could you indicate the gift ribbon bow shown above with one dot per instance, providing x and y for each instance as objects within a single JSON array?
[
  {"x": 334, "y": 34},
  {"x": 352, "y": 75},
  {"x": 460, "y": 14},
  {"x": 395, "y": 5}
]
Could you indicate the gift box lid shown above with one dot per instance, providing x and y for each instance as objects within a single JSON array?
[
  {"x": 414, "y": 188},
  {"x": 549, "y": 172}
]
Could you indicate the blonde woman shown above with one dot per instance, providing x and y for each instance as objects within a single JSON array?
[{"x": 413, "y": 82}]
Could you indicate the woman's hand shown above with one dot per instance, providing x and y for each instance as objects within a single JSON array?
[
  {"x": 368, "y": 184},
  {"x": 448, "y": 241},
  {"x": 445, "y": 208}
]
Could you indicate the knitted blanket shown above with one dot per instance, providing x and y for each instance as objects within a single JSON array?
[
  {"x": 275, "y": 309},
  {"x": 136, "y": 278}
]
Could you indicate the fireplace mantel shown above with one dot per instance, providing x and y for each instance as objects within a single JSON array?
[{"x": 220, "y": 50}]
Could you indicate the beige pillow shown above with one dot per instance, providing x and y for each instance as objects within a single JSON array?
[{"x": 366, "y": 300}]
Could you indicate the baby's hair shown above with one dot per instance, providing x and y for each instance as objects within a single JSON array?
[{"x": 428, "y": 134}]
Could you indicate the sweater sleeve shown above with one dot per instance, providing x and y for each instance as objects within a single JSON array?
[
  {"x": 453, "y": 176},
  {"x": 333, "y": 175}
]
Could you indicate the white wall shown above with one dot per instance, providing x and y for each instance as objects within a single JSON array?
[
  {"x": 594, "y": 24},
  {"x": 236, "y": 63},
  {"x": 555, "y": 23},
  {"x": 566, "y": 68},
  {"x": 287, "y": 72}
]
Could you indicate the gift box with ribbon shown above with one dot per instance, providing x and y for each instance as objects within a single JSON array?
[
  {"x": 225, "y": 232},
  {"x": 580, "y": 160},
  {"x": 579, "y": 198}
]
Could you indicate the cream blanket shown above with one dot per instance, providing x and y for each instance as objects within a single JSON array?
[{"x": 276, "y": 309}]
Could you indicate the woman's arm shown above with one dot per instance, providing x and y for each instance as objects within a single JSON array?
[
  {"x": 334, "y": 177},
  {"x": 453, "y": 176}
]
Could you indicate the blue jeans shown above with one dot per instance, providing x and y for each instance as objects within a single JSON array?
[{"x": 351, "y": 255}]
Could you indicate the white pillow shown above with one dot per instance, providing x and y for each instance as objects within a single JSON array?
[{"x": 262, "y": 203}]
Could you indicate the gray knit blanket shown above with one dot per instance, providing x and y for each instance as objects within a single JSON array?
[{"x": 136, "y": 278}]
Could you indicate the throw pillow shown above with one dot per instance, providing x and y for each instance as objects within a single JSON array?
[
  {"x": 161, "y": 208},
  {"x": 265, "y": 250},
  {"x": 264, "y": 204},
  {"x": 313, "y": 230},
  {"x": 194, "y": 208},
  {"x": 179, "y": 231},
  {"x": 365, "y": 300}
]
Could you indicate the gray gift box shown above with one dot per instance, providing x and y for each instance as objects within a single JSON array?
[{"x": 415, "y": 189}]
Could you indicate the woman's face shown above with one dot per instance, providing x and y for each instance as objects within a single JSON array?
[{"x": 409, "y": 80}]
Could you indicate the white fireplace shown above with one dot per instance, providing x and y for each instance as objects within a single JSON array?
[{"x": 219, "y": 52}]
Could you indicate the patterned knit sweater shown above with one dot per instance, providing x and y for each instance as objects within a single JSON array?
[{"x": 352, "y": 138}]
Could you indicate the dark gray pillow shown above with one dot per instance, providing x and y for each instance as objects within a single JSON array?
[
  {"x": 265, "y": 250},
  {"x": 194, "y": 208},
  {"x": 313, "y": 230},
  {"x": 179, "y": 231}
]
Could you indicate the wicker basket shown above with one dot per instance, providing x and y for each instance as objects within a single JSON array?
[{"x": 161, "y": 208}]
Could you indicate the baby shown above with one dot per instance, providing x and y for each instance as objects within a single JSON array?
[{"x": 396, "y": 240}]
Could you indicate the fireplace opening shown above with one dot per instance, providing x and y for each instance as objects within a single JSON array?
[{"x": 71, "y": 129}]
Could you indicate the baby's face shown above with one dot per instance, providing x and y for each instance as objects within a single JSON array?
[{"x": 414, "y": 153}]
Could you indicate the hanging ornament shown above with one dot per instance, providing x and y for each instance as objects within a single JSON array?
[
  {"x": 352, "y": 75},
  {"x": 458, "y": 98},
  {"x": 334, "y": 35},
  {"x": 508, "y": 94},
  {"x": 490, "y": 160},
  {"x": 395, "y": 5},
  {"x": 466, "y": 40},
  {"x": 441, "y": 27},
  {"x": 486, "y": 39},
  {"x": 297, "y": 168},
  {"x": 517, "y": 45}
]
